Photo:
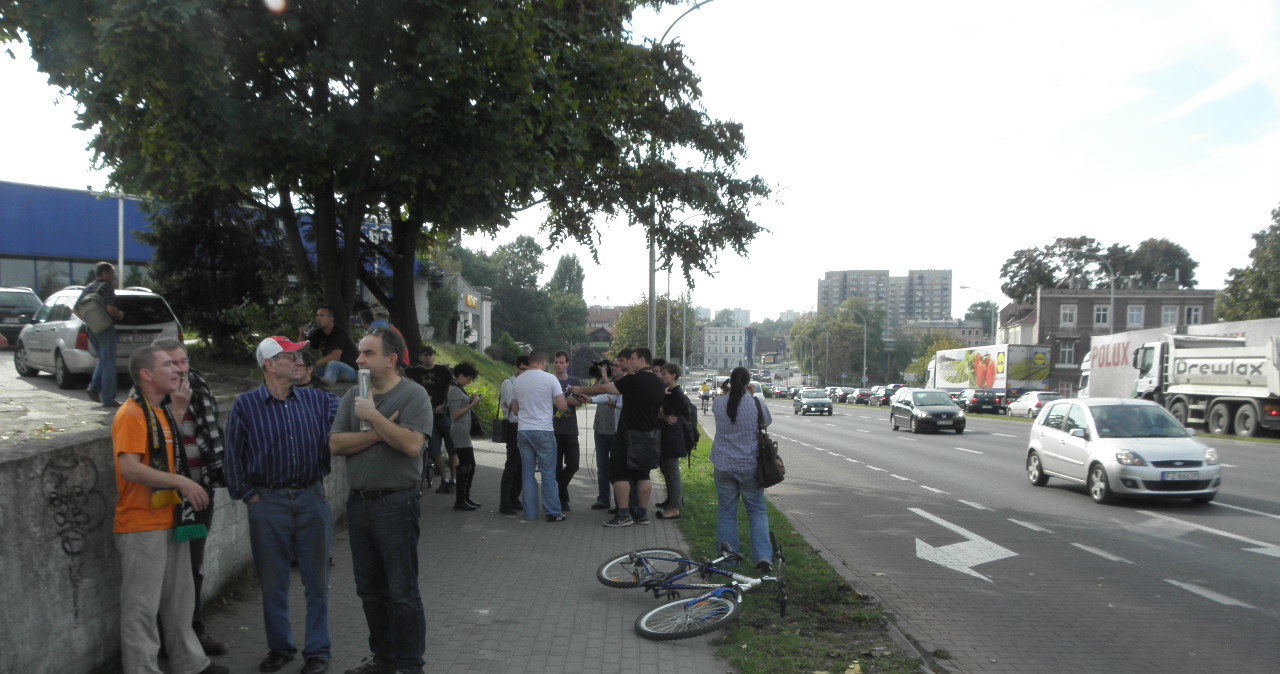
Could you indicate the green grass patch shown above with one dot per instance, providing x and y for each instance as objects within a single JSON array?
[{"x": 829, "y": 625}]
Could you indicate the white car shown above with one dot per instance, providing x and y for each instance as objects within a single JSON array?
[
  {"x": 1030, "y": 403},
  {"x": 1120, "y": 447}
]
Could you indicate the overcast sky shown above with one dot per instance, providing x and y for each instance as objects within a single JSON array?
[{"x": 922, "y": 135}]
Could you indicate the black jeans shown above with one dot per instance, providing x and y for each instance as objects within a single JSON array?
[
  {"x": 510, "y": 484},
  {"x": 197, "y": 561},
  {"x": 568, "y": 460}
]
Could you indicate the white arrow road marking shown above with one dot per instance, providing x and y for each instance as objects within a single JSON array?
[
  {"x": 1101, "y": 553},
  {"x": 960, "y": 556},
  {"x": 971, "y": 504},
  {"x": 1033, "y": 527},
  {"x": 935, "y": 490},
  {"x": 1263, "y": 548},
  {"x": 1209, "y": 594},
  {"x": 1248, "y": 510},
  {"x": 971, "y": 451}
]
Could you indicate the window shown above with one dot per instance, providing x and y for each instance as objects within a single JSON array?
[
  {"x": 1066, "y": 353},
  {"x": 1076, "y": 419},
  {"x": 1102, "y": 314},
  {"x": 1056, "y": 414},
  {"x": 1137, "y": 315},
  {"x": 1067, "y": 314},
  {"x": 1193, "y": 315},
  {"x": 1168, "y": 315}
]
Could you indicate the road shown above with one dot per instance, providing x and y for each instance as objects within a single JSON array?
[{"x": 991, "y": 574}]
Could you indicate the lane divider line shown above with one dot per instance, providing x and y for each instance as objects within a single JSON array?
[
  {"x": 1208, "y": 594},
  {"x": 934, "y": 490},
  {"x": 1033, "y": 527},
  {"x": 975, "y": 506},
  {"x": 971, "y": 451},
  {"x": 1101, "y": 553}
]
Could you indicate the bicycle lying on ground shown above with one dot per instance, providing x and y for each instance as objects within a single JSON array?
[{"x": 668, "y": 571}]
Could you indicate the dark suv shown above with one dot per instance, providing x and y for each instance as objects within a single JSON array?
[
  {"x": 16, "y": 304},
  {"x": 988, "y": 401}
]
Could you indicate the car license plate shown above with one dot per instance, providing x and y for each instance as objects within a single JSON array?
[
  {"x": 944, "y": 422},
  {"x": 1169, "y": 476},
  {"x": 134, "y": 337},
  {"x": 10, "y": 319}
]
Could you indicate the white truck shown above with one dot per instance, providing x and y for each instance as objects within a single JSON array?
[
  {"x": 1224, "y": 375},
  {"x": 1012, "y": 368}
]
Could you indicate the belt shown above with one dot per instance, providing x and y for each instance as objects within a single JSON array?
[
  {"x": 368, "y": 494},
  {"x": 292, "y": 487}
]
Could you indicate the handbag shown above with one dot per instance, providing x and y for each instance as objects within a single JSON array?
[
  {"x": 769, "y": 466},
  {"x": 91, "y": 309},
  {"x": 498, "y": 430},
  {"x": 477, "y": 431}
]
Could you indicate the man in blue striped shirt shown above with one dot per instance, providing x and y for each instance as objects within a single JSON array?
[{"x": 277, "y": 454}]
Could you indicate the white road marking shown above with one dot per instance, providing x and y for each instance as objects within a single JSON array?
[
  {"x": 1005, "y": 435},
  {"x": 971, "y": 451},
  {"x": 1208, "y": 594},
  {"x": 1033, "y": 527},
  {"x": 1230, "y": 465},
  {"x": 907, "y": 439},
  {"x": 874, "y": 468},
  {"x": 862, "y": 430},
  {"x": 977, "y": 506},
  {"x": 1101, "y": 553},
  {"x": 904, "y": 479},
  {"x": 832, "y": 425},
  {"x": 1263, "y": 548},
  {"x": 935, "y": 490},
  {"x": 852, "y": 460},
  {"x": 962, "y": 556},
  {"x": 1248, "y": 510}
]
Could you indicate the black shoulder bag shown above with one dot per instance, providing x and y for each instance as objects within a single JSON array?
[{"x": 769, "y": 466}]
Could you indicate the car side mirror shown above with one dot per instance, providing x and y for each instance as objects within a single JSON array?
[{"x": 1080, "y": 433}]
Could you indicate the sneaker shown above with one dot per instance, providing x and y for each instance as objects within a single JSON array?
[
  {"x": 764, "y": 568},
  {"x": 445, "y": 488},
  {"x": 94, "y": 396},
  {"x": 643, "y": 519},
  {"x": 372, "y": 665},
  {"x": 111, "y": 403},
  {"x": 620, "y": 521},
  {"x": 599, "y": 506},
  {"x": 556, "y": 518},
  {"x": 211, "y": 646}
]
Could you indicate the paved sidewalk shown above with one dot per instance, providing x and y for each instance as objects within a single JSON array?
[{"x": 501, "y": 594}]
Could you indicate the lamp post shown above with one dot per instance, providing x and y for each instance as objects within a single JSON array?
[
  {"x": 1111, "y": 311},
  {"x": 653, "y": 265},
  {"x": 995, "y": 321}
]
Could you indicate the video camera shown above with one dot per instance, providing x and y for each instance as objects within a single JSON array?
[{"x": 601, "y": 369}]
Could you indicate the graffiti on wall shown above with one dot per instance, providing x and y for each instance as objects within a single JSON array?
[{"x": 75, "y": 503}]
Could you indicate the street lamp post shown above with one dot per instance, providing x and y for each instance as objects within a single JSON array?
[{"x": 995, "y": 320}]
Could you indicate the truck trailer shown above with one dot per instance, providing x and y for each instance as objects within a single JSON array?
[{"x": 1011, "y": 368}]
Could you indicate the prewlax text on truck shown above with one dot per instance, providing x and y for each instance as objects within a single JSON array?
[{"x": 1224, "y": 375}]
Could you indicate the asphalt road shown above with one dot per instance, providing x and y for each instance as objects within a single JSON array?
[{"x": 991, "y": 574}]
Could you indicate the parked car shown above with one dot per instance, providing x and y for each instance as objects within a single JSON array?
[
  {"x": 55, "y": 341},
  {"x": 1120, "y": 447},
  {"x": 925, "y": 409},
  {"x": 863, "y": 397},
  {"x": 16, "y": 304},
  {"x": 813, "y": 400},
  {"x": 981, "y": 400},
  {"x": 885, "y": 394},
  {"x": 844, "y": 394},
  {"x": 783, "y": 391},
  {"x": 1031, "y": 402}
]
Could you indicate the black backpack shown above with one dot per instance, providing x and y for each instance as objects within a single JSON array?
[{"x": 691, "y": 434}]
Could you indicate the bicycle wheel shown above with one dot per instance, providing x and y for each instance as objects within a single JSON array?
[
  {"x": 684, "y": 618},
  {"x": 621, "y": 572}
]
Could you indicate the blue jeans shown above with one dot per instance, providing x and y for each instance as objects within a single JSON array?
[
  {"x": 337, "y": 370},
  {"x": 104, "y": 373},
  {"x": 730, "y": 485},
  {"x": 604, "y": 445},
  {"x": 384, "y": 535},
  {"x": 285, "y": 525},
  {"x": 440, "y": 433},
  {"x": 538, "y": 453}
]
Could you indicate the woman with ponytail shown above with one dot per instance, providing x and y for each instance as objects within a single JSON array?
[{"x": 733, "y": 454}]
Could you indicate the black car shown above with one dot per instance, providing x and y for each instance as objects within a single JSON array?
[
  {"x": 15, "y": 304},
  {"x": 925, "y": 409},
  {"x": 982, "y": 400},
  {"x": 884, "y": 394}
]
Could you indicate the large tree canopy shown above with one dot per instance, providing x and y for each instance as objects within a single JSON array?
[
  {"x": 431, "y": 117},
  {"x": 1254, "y": 291},
  {"x": 1079, "y": 259}
]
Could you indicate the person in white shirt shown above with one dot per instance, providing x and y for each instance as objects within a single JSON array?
[{"x": 538, "y": 395}]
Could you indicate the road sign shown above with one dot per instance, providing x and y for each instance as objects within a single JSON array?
[{"x": 865, "y": 380}]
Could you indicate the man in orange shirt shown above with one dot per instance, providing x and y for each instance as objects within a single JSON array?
[{"x": 154, "y": 520}]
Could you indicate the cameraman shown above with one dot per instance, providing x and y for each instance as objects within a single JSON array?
[
  {"x": 638, "y": 435},
  {"x": 606, "y": 425}
]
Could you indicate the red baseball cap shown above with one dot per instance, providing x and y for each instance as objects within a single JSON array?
[{"x": 274, "y": 346}]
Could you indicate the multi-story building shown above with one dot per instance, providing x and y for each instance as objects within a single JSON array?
[
  {"x": 725, "y": 348},
  {"x": 968, "y": 333},
  {"x": 741, "y": 317},
  {"x": 602, "y": 317},
  {"x": 789, "y": 315},
  {"x": 923, "y": 294}
]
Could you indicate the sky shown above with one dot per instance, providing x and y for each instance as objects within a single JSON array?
[{"x": 908, "y": 135}]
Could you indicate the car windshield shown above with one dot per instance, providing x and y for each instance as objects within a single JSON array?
[
  {"x": 1046, "y": 397},
  {"x": 813, "y": 393},
  {"x": 18, "y": 301},
  {"x": 1135, "y": 421},
  {"x": 931, "y": 398}
]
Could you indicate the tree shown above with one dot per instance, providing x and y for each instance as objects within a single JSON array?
[
  {"x": 1158, "y": 260},
  {"x": 1026, "y": 271},
  {"x": 724, "y": 319},
  {"x": 982, "y": 311},
  {"x": 1254, "y": 291},
  {"x": 1079, "y": 260},
  {"x": 568, "y": 277},
  {"x": 632, "y": 328},
  {"x": 936, "y": 342},
  {"x": 430, "y": 118}
]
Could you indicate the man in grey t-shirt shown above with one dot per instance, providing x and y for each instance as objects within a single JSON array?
[{"x": 384, "y": 465}]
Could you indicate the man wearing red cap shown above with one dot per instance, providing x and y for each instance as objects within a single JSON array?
[{"x": 276, "y": 457}]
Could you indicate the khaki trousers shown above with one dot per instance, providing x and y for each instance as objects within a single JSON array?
[{"x": 156, "y": 582}]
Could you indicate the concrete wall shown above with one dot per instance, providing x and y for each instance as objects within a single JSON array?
[{"x": 59, "y": 569}]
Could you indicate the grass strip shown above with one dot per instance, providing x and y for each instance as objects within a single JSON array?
[{"x": 829, "y": 625}]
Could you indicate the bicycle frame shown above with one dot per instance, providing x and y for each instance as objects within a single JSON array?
[{"x": 737, "y": 583}]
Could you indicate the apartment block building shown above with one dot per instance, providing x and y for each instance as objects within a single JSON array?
[
  {"x": 726, "y": 348},
  {"x": 921, "y": 295},
  {"x": 967, "y": 333}
]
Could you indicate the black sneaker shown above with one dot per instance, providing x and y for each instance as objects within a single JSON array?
[
  {"x": 620, "y": 520},
  {"x": 445, "y": 488},
  {"x": 556, "y": 518},
  {"x": 643, "y": 519},
  {"x": 764, "y": 568},
  {"x": 372, "y": 665},
  {"x": 599, "y": 506}
]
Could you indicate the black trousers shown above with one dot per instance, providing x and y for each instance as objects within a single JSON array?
[
  {"x": 568, "y": 460},
  {"x": 510, "y": 483}
]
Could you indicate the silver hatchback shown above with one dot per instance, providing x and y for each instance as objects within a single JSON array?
[
  {"x": 1120, "y": 447},
  {"x": 55, "y": 341}
]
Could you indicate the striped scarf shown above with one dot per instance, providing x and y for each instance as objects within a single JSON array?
[{"x": 187, "y": 527}]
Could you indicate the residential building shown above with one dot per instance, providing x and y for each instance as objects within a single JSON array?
[
  {"x": 789, "y": 315},
  {"x": 967, "y": 333},
  {"x": 602, "y": 317},
  {"x": 923, "y": 294},
  {"x": 725, "y": 348}
]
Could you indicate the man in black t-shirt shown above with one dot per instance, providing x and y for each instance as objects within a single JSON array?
[
  {"x": 436, "y": 379},
  {"x": 637, "y": 444},
  {"x": 337, "y": 353}
]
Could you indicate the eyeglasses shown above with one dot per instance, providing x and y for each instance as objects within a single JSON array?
[{"x": 291, "y": 356}]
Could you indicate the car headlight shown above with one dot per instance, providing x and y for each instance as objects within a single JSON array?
[
  {"x": 1127, "y": 457},
  {"x": 921, "y": 413},
  {"x": 1210, "y": 456},
  {"x": 959, "y": 413}
]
